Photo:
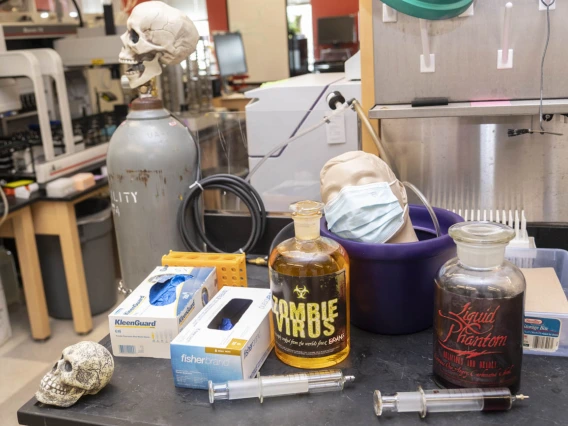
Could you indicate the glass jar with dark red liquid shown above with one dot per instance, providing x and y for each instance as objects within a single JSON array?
[{"x": 478, "y": 314}]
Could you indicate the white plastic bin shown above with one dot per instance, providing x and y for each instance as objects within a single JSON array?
[{"x": 60, "y": 188}]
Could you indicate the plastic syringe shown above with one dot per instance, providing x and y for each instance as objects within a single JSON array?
[
  {"x": 289, "y": 384},
  {"x": 445, "y": 401}
]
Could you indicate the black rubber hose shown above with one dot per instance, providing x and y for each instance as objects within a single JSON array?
[
  {"x": 189, "y": 213},
  {"x": 233, "y": 184},
  {"x": 79, "y": 14}
]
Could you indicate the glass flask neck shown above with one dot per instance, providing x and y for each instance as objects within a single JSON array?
[
  {"x": 307, "y": 228},
  {"x": 481, "y": 256}
]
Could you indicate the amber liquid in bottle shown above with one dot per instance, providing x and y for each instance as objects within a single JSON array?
[{"x": 309, "y": 278}]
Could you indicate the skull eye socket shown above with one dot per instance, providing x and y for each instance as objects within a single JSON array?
[
  {"x": 67, "y": 366},
  {"x": 134, "y": 37},
  {"x": 57, "y": 363}
]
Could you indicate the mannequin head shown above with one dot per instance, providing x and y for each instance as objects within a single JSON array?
[
  {"x": 355, "y": 168},
  {"x": 360, "y": 168}
]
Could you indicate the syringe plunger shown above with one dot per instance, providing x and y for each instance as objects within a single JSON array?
[{"x": 289, "y": 384}]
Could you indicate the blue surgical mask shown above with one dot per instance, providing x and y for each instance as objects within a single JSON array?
[{"x": 365, "y": 213}]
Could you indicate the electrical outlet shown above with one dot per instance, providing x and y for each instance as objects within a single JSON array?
[
  {"x": 552, "y": 6},
  {"x": 335, "y": 129}
]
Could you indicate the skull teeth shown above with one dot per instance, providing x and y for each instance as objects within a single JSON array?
[
  {"x": 128, "y": 61},
  {"x": 135, "y": 69},
  {"x": 54, "y": 387}
]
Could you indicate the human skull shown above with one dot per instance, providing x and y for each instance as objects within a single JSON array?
[
  {"x": 156, "y": 34},
  {"x": 84, "y": 369}
]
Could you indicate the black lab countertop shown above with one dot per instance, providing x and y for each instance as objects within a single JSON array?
[{"x": 142, "y": 391}]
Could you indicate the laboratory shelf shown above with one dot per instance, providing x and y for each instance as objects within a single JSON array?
[{"x": 470, "y": 109}]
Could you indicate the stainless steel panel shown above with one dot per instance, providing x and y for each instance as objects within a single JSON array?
[
  {"x": 466, "y": 55},
  {"x": 471, "y": 163}
]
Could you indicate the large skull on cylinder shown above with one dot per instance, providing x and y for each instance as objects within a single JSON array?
[{"x": 156, "y": 34}]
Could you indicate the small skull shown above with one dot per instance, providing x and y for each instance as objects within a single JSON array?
[
  {"x": 84, "y": 369},
  {"x": 156, "y": 34}
]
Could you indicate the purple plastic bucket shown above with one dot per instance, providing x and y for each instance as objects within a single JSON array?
[{"x": 392, "y": 285}]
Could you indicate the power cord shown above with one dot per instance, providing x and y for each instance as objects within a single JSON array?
[
  {"x": 543, "y": 58},
  {"x": 518, "y": 132},
  {"x": 335, "y": 100},
  {"x": 340, "y": 110},
  {"x": 6, "y": 206},
  {"x": 79, "y": 14}
]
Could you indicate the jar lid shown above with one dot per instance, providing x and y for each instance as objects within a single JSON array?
[
  {"x": 481, "y": 233},
  {"x": 306, "y": 208}
]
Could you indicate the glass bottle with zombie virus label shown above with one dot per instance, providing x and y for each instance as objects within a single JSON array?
[
  {"x": 309, "y": 279},
  {"x": 479, "y": 308}
]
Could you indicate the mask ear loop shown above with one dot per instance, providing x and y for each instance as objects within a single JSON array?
[
  {"x": 404, "y": 196},
  {"x": 426, "y": 203}
]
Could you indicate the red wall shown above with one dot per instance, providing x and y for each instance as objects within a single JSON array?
[
  {"x": 324, "y": 8},
  {"x": 216, "y": 10},
  {"x": 219, "y": 20},
  {"x": 217, "y": 13}
]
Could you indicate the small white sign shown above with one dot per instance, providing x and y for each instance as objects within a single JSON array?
[{"x": 336, "y": 130}]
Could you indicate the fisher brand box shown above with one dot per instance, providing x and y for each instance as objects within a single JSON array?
[
  {"x": 158, "y": 309},
  {"x": 228, "y": 340}
]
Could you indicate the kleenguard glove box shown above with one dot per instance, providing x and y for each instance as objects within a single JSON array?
[
  {"x": 158, "y": 309},
  {"x": 228, "y": 340}
]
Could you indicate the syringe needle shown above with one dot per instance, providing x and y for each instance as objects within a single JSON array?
[{"x": 520, "y": 397}]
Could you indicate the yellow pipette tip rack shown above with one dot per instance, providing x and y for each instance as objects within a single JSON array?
[{"x": 231, "y": 268}]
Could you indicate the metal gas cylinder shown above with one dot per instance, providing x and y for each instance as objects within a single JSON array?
[{"x": 151, "y": 161}]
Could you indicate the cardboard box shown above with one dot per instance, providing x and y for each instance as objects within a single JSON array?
[
  {"x": 203, "y": 352},
  {"x": 153, "y": 314},
  {"x": 82, "y": 181},
  {"x": 546, "y": 313},
  {"x": 544, "y": 291}
]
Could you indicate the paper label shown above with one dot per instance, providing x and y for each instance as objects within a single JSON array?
[
  {"x": 542, "y": 334},
  {"x": 336, "y": 130},
  {"x": 477, "y": 342},
  {"x": 309, "y": 314}
]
